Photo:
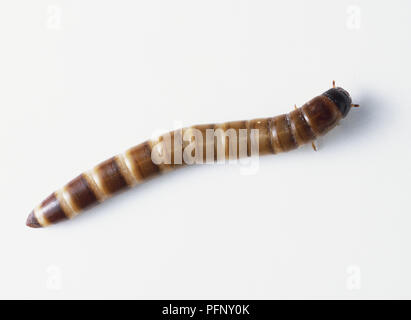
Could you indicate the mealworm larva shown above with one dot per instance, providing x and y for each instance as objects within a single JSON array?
[{"x": 278, "y": 134}]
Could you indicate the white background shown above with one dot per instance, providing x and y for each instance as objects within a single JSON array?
[{"x": 83, "y": 80}]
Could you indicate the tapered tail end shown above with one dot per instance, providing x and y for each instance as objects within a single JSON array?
[{"x": 32, "y": 221}]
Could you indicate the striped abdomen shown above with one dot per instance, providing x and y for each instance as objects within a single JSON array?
[{"x": 279, "y": 134}]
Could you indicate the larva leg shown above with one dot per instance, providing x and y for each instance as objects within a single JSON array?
[{"x": 333, "y": 83}]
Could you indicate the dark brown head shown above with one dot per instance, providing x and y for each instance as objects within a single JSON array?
[{"x": 341, "y": 98}]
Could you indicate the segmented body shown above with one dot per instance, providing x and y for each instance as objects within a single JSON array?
[{"x": 277, "y": 134}]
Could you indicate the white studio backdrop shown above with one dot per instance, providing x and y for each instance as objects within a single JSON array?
[{"x": 83, "y": 80}]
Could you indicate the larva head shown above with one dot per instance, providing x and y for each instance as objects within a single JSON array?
[{"x": 341, "y": 98}]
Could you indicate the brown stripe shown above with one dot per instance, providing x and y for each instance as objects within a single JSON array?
[
  {"x": 52, "y": 210},
  {"x": 301, "y": 127},
  {"x": 292, "y": 131},
  {"x": 264, "y": 134},
  {"x": 272, "y": 132},
  {"x": 65, "y": 202},
  {"x": 81, "y": 193},
  {"x": 133, "y": 165},
  {"x": 89, "y": 176},
  {"x": 141, "y": 158},
  {"x": 125, "y": 170},
  {"x": 237, "y": 125},
  {"x": 282, "y": 134},
  {"x": 247, "y": 124},
  {"x": 111, "y": 178}
]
